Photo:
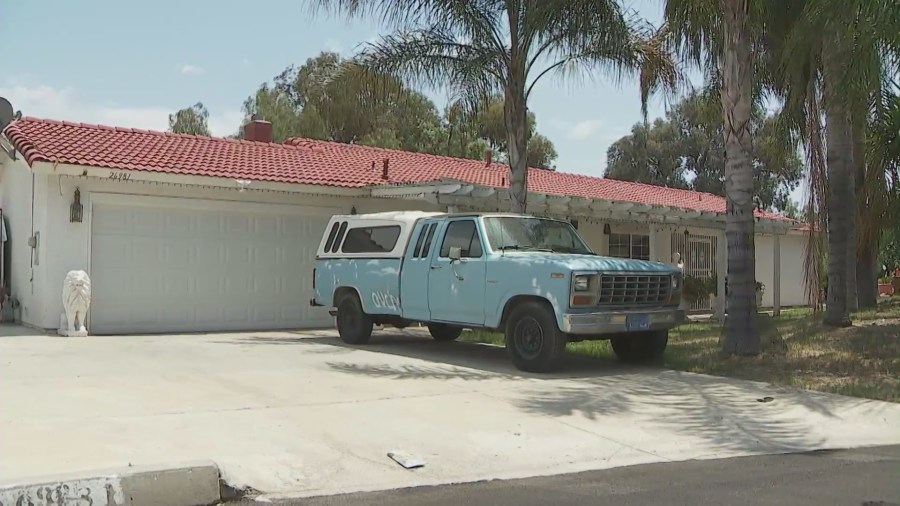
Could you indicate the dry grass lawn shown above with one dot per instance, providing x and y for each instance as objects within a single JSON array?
[{"x": 861, "y": 361}]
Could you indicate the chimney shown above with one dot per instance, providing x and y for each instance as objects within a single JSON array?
[
  {"x": 258, "y": 129},
  {"x": 384, "y": 170},
  {"x": 488, "y": 157}
]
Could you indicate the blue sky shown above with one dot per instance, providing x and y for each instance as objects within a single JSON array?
[{"x": 132, "y": 63}]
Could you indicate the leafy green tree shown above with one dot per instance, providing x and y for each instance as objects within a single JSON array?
[
  {"x": 688, "y": 145},
  {"x": 653, "y": 154},
  {"x": 541, "y": 153},
  {"x": 335, "y": 99},
  {"x": 190, "y": 120},
  {"x": 480, "y": 49},
  {"x": 792, "y": 210}
]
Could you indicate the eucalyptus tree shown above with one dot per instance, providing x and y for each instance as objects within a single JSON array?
[
  {"x": 483, "y": 48},
  {"x": 190, "y": 120}
]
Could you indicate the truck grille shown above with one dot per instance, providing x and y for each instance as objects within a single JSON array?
[{"x": 634, "y": 289}]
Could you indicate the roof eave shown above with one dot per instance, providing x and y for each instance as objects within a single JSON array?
[{"x": 146, "y": 176}]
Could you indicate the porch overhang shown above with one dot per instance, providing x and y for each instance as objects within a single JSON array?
[{"x": 485, "y": 198}]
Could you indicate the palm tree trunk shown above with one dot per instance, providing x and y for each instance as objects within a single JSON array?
[
  {"x": 863, "y": 267},
  {"x": 740, "y": 329},
  {"x": 858, "y": 171},
  {"x": 838, "y": 162},
  {"x": 867, "y": 277},
  {"x": 515, "y": 116}
]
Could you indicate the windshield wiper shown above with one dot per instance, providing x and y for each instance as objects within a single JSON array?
[{"x": 524, "y": 247}]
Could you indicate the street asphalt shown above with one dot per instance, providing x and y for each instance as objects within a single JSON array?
[{"x": 861, "y": 477}]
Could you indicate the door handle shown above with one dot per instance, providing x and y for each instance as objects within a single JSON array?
[{"x": 435, "y": 267}]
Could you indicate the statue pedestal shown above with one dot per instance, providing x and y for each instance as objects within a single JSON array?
[{"x": 64, "y": 331}]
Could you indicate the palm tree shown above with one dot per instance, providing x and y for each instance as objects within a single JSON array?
[
  {"x": 484, "y": 48},
  {"x": 842, "y": 49},
  {"x": 718, "y": 36},
  {"x": 880, "y": 189}
]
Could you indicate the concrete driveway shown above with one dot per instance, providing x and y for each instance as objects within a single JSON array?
[{"x": 299, "y": 413}]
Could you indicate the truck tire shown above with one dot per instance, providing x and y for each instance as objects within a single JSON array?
[
  {"x": 533, "y": 339},
  {"x": 640, "y": 347},
  {"x": 354, "y": 326},
  {"x": 443, "y": 332}
]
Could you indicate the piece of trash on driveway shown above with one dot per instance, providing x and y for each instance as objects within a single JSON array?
[
  {"x": 766, "y": 399},
  {"x": 406, "y": 460}
]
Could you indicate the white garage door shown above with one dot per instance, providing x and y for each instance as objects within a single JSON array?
[{"x": 171, "y": 265}]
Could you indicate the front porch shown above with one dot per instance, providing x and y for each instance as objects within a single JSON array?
[{"x": 635, "y": 230}]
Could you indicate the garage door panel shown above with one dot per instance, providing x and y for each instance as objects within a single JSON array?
[{"x": 184, "y": 269}]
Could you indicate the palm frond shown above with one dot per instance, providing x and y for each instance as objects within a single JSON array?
[{"x": 435, "y": 59}]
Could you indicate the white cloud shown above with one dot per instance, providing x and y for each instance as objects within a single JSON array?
[
  {"x": 63, "y": 104},
  {"x": 192, "y": 70},
  {"x": 585, "y": 129}
]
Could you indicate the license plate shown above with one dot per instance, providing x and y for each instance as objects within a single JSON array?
[{"x": 637, "y": 322}]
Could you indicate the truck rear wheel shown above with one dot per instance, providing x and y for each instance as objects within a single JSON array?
[
  {"x": 354, "y": 326},
  {"x": 444, "y": 332},
  {"x": 533, "y": 339},
  {"x": 640, "y": 347}
]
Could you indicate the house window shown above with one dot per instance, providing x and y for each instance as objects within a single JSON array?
[
  {"x": 634, "y": 246},
  {"x": 371, "y": 239}
]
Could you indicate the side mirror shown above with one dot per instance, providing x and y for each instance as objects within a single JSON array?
[{"x": 455, "y": 253}]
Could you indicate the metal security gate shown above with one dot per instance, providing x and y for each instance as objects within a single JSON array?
[{"x": 698, "y": 252}]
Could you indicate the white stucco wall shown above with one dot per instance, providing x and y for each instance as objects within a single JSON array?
[
  {"x": 25, "y": 280},
  {"x": 66, "y": 245},
  {"x": 793, "y": 291}
]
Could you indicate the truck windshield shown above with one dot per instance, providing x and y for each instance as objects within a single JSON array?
[{"x": 533, "y": 234}]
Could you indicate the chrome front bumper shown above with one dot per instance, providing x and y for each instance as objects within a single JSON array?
[{"x": 618, "y": 321}]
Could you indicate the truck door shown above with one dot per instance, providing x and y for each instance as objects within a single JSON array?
[
  {"x": 414, "y": 273},
  {"x": 456, "y": 288}
]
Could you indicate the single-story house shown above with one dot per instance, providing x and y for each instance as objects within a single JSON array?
[{"x": 191, "y": 233}]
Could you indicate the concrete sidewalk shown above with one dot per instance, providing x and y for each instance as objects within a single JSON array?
[{"x": 299, "y": 414}]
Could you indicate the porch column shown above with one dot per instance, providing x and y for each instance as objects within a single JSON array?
[
  {"x": 653, "y": 243},
  {"x": 776, "y": 276},
  {"x": 721, "y": 272}
]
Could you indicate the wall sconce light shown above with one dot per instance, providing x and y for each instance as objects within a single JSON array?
[
  {"x": 353, "y": 210},
  {"x": 77, "y": 210},
  {"x": 607, "y": 229},
  {"x": 686, "y": 233}
]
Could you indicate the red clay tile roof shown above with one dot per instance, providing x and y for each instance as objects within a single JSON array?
[{"x": 305, "y": 161}]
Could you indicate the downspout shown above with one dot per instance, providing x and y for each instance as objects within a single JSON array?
[{"x": 31, "y": 281}]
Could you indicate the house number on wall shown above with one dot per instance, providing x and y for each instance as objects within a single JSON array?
[{"x": 120, "y": 176}]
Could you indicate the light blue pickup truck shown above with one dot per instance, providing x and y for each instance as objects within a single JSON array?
[{"x": 532, "y": 278}]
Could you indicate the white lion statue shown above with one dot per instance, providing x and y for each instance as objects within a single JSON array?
[{"x": 76, "y": 296}]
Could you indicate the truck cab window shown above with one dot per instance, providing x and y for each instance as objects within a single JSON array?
[{"x": 464, "y": 234}]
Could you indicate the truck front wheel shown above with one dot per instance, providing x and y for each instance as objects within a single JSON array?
[
  {"x": 354, "y": 325},
  {"x": 444, "y": 332},
  {"x": 640, "y": 347},
  {"x": 533, "y": 340}
]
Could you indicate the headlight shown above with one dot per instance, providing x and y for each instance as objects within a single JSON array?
[
  {"x": 582, "y": 283},
  {"x": 676, "y": 281}
]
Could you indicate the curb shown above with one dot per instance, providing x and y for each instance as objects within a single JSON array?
[{"x": 186, "y": 484}]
